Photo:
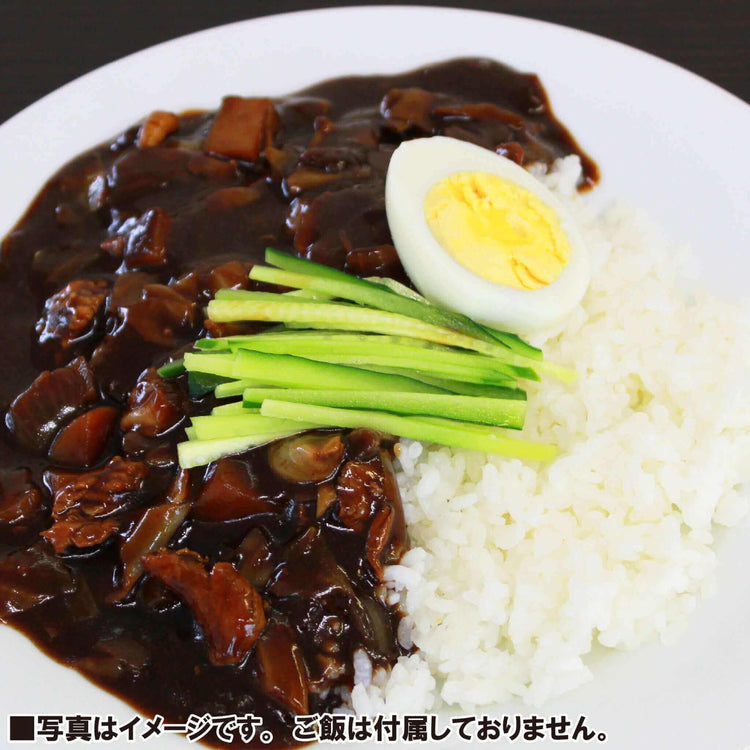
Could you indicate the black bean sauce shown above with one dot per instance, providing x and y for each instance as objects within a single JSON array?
[{"x": 106, "y": 277}]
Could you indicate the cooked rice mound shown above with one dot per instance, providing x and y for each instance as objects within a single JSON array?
[{"x": 518, "y": 570}]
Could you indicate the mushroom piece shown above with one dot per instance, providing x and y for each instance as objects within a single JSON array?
[{"x": 307, "y": 458}]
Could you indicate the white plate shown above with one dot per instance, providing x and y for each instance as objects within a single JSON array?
[{"x": 666, "y": 139}]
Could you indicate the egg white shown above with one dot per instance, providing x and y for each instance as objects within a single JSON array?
[{"x": 419, "y": 164}]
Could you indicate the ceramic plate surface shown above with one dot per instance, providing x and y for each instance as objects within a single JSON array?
[{"x": 665, "y": 139}]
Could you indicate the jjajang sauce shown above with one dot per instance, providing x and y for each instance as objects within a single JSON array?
[{"x": 278, "y": 578}]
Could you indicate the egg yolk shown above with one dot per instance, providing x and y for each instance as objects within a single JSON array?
[{"x": 497, "y": 229}]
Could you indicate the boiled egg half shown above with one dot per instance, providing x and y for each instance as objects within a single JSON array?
[{"x": 480, "y": 235}]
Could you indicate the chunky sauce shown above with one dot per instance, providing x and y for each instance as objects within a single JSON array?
[{"x": 105, "y": 277}]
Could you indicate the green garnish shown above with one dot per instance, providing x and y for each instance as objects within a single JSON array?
[{"x": 349, "y": 352}]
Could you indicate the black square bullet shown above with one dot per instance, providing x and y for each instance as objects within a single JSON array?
[{"x": 21, "y": 728}]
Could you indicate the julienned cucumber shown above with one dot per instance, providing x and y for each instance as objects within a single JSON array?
[
  {"x": 366, "y": 293},
  {"x": 457, "y": 436},
  {"x": 200, "y": 452},
  {"x": 353, "y": 318},
  {"x": 451, "y": 319},
  {"x": 297, "y": 372},
  {"x": 487, "y": 411}
]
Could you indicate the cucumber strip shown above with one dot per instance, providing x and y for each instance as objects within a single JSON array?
[
  {"x": 200, "y": 452},
  {"x": 488, "y": 411},
  {"x": 190, "y": 432},
  {"x": 234, "y": 295},
  {"x": 354, "y": 318},
  {"x": 241, "y": 425},
  {"x": 234, "y": 388},
  {"x": 235, "y": 407},
  {"x": 419, "y": 308},
  {"x": 397, "y": 288},
  {"x": 172, "y": 369},
  {"x": 212, "y": 364},
  {"x": 425, "y": 311},
  {"x": 366, "y": 293},
  {"x": 297, "y": 372},
  {"x": 202, "y": 383},
  {"x": 379, "y": 350},
  {"x": 405, "y": 365},
  {"x": 510, "y": 391},
  {"x": 515, "y": 343},
  {"x": 410, "y": 427},
  {"x": 308, "y": 294},
  {"x": 211, "y": 345}
]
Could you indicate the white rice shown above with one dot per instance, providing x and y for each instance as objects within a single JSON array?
[{"x": 518, "y": 570}]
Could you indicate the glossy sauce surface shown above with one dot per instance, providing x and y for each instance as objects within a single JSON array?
[{"x": 105, "y": 277}]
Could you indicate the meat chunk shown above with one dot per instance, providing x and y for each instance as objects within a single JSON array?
[
  {"x": 36, "y": 414},
  {"x": 82, "y": 442},
  {"x": 155, "y": 405},
  {"x": 227, "y": 608},
  {"x": 147, "y": 240},
  {"x": 369, "y": 500},
  {"x": 69, "y": 315},
  {"x": 157, "y": 126},
  {"x": 81, "y": 532},
  {"x": 21, "y": 502},
  {"x": 242, "y": 128},
  {"x": 306, "y": 458},
  {"x": 360, "y": 491},
  {"x": 162, "y": 316},
  {"x": 283, "y": 676},
  {"x": 407, "y": 109},
  {"x": 99, "y": 492},
  {"x": 151, "y": 316},
  {"x": 152, "y": 531},
  {"x": 230, "y": 491},
  {"x": 31, "y": 577},
  {"x": 86, "y": 506}
]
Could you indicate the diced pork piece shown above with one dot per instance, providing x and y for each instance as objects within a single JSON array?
[
  {"x": 227, "y": 608},
  {"x": 99, "y": 492},
  {"x": 69, "y": 314},
  {"x": 21, "y": 502},
  {"x": 360, "y": 492},
  {"x": 369, "y": 500},
  {"x": 85, "y": 505},
  {"x": 230, "y": 491},
  {"x": 406, "y": 109},
  {"x": 147, "y": 240},
  {"x": 157, "y": 126},
  {"x": 231, "y": 275},
  {"x": 242, "y": 128},
  {"x": 31, "y": 577},
  {"x": 79, "y": 531},
  {"x": 162, "y": 316},
  {"x": 283, "y": 676},
  {"x": 155, "y": 405},
  {"x": 152, "y": 531},
  {"x": 82, "y": 442},
  {"x": 306, "y": 458},
  {"x": 36, "y": 414}
]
